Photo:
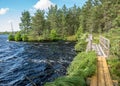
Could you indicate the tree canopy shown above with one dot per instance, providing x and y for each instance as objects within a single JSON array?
[{"x": 95, "y": 16}]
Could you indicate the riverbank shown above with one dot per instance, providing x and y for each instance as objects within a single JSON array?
[
  {"x": 27, "y": 38},
  {"x": 78, "y": 71},
  {"x": 82, "y": 67},
  {"x": 40, "y": 62}
]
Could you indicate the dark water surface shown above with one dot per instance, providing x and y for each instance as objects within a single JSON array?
[{"x": 21, "y": 62}]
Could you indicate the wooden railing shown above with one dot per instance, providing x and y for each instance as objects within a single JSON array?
[
  {"x": 89, "y": 45},
  {"x": 105, "y": 45},
  {"x": 102, "y": 76}
]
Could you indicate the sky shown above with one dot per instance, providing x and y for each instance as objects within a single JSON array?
[{"x": 10, "y": 10}]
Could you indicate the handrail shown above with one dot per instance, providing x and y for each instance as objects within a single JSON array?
[
  {"x": 89, "y": 45},
  {"x": 105, "y": 45}
]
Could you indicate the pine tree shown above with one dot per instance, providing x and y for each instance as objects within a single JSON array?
[
  {"x": 25, "y": 24},
  {"x": 38, "y": 22}
]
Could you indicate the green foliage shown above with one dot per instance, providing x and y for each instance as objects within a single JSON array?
[
  {"x": 11, "y": 37},
  {"x": 116, "y": 22},
  {"x": 79, "y": 33},
  {"x": 71, "y": 38},
  {"x": 24, "y": 38},
  {"x": 38, "y": 23},
  {"x": 18, "y": 36},
  {"x": 84, "y": 64},
  {"x": 46, "y": 35},
  {"x": 68, "y": 81},
  {"x": 114, "y": 37},
  {"x": 115, "y": 69},
  {"x": 95, "y": 16},
  {"x": 53, "y": 34},
  {"x": 81, "y": 44},
  {"x": 25, "y": 24}
]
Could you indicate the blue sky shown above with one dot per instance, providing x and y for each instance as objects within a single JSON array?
[{"x": 10, "y": 10}]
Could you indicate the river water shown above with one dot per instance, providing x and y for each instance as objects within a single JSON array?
[{"x": 22, "y": 63}]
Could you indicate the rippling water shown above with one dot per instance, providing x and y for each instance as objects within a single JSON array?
[{"x": 22, "y": 64}]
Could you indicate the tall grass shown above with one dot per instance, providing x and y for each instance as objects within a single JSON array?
[{"x": 83, "y": 66}]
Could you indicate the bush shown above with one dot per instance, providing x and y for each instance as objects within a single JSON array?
[
  {"x": 53, "y": 35},
  {"x": 71, "y": 38},
  {"x": 81, "y": 44},
  {"x": 79, "y": 33},
  {"x": 68, "y": 81},
  {"x": 84, "y": 64},
  {"x": 18, "y": 37},
  {"x": 11, "y": 37},
  {"x": 46, "y": 35},
  {"x": 115, "y": 68},
  {"x": 114, "y": 37},
  {"x": 24, "y": 38}
]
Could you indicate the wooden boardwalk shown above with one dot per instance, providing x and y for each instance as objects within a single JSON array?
[{"x": 102, "y": 76}]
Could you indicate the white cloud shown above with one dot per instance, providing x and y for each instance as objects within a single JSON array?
[
  {"x": 3, "y": 11},
  {"x": 43, "y": 4}
]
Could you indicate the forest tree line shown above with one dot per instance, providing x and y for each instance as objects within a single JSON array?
[{"x": 95, "y": 16}]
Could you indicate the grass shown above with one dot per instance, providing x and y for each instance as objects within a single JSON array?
[
  {"x": 96, "y": 38},
  {"x": 114, "y": 64},
  {"x": 83, "y": 66},
  {"x": 40, "y": 39},
  {"x": 71, "y": 38}
]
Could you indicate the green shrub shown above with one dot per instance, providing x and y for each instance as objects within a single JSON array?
[
  {"x": 11, "y": 37},
  {"x": 18, "y": 37},
  {"x": 79, "y": 33},
  {"x": 53, "y": 35},
  {"x": 114, "y": 41},
  {"x": 24, "y": 38},
  {"x": 81, "y": 44},
  {"x": 115, "y": 68},
  {"x": 71, "y": 38},
  {"x": 84, "y": 64},
  {"x": 46, "y": 35},
  {"x": 68, "y": 81}
]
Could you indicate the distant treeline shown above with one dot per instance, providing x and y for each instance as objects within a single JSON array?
[
  {"x": 95, "y": 16},
  {"x": 5, "y": 32}
]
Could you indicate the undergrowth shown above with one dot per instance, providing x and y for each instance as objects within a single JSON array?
[{"x": 83, "y": 66}]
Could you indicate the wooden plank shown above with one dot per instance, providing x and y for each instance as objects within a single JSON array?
[
  {"x": 93, "y": 81},
  {"x": 108, "y": 80},
  {"x": 100, "y": 74}
]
